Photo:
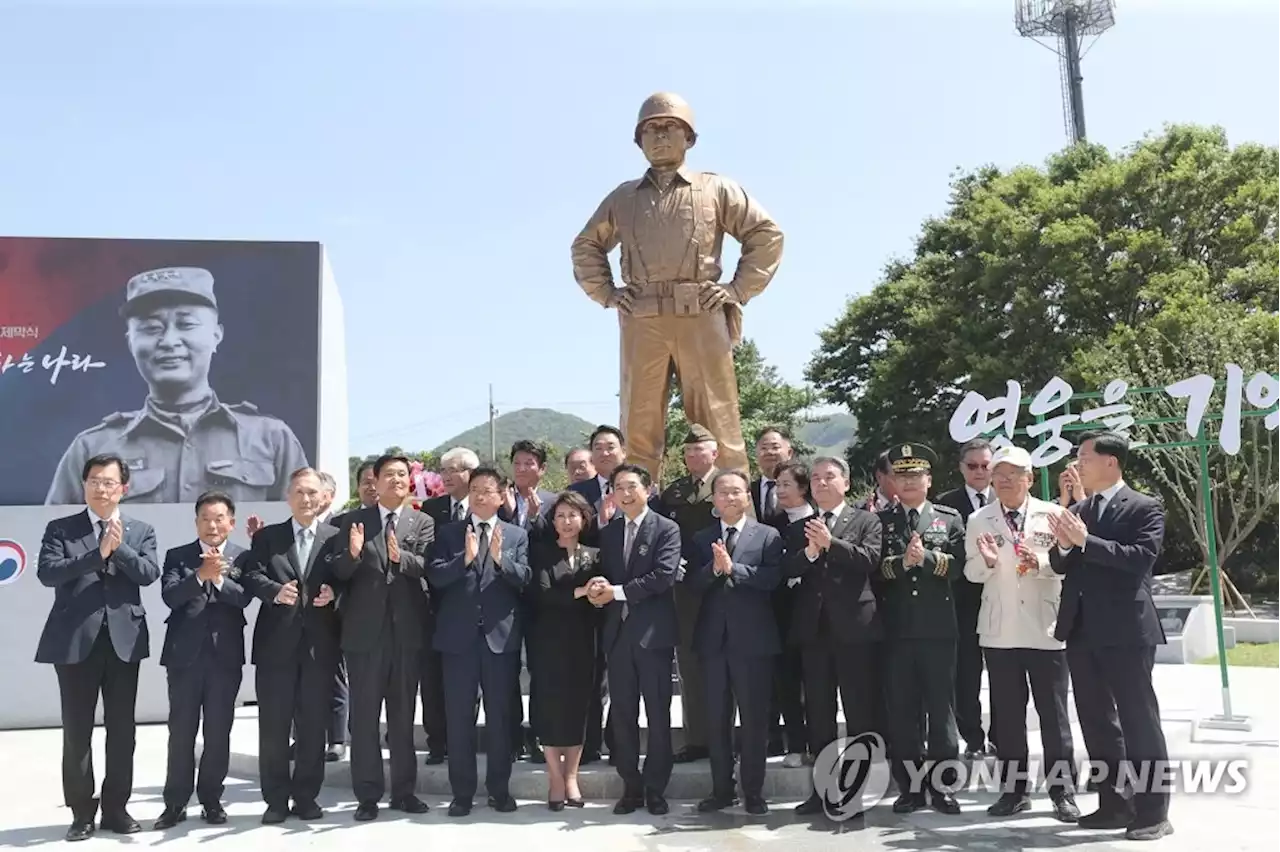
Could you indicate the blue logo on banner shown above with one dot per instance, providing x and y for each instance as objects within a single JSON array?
[{"x": 13, "y": 561}]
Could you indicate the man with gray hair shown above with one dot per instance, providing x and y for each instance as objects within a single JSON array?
[
  {"x": 455, "y": 469},
  {"x": 329, "y": 490}
]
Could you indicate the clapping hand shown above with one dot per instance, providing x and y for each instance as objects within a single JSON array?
[
  {"x": 288, "y": 594},
  {"x": 495, "y": 545},
  {"x": 325, "y": 597},
  {"x": 535, "y": 504},
  {"x": 915, "y": 551},
  {"x": 509, "y": 500},
  {"x": 254, "y": 525},
  {"x": 1069, "y": 528},
  {"x": 471, "y": 546},
  {"x": 393, "y": 547},
  {"x": 1027, "y": 559},
  {"x": 356, "y": 541},
  {"x": 111, "y": 538},
  {"x": 721, "y": 561},
  {"x": 607, "y": 508},
  {"x": 817, "y": 534},
  {"x": 989, "y": 549},
  {"x": 599, "y": 592},
  {"x": 210, "y": 566}
]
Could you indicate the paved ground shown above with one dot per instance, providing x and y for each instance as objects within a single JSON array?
[{"x": 30, "y": 814}]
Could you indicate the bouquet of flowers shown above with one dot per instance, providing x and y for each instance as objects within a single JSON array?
[{"x": 424, "y": 483}]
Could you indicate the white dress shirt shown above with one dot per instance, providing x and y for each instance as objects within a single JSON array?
[
  {"x": 987, "y": 496},
  {"x": 617, "y": 590}
]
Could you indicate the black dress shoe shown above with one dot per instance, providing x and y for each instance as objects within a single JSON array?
[
  {"x": 336, "y": 752},
  {"x": 307, "y": 810},
  {"x": 274, "y": 816},
  {"x": 1152, "y": 831},
  {"x": 811, "y": 806},
  {"x": 757, "y": 806},
  {"x": 628, "y": 805},
  {"x": 459, "y": 808},
  {"x": 213, "y": 814},
  {"x": 776, "y": 748},
  {"x": 81, "y": 830},
  {"x": 908, "y": 803},
  {"x": 434, "y": 758},
  {"x": 120, "y": 822},
  {"x": 502, "y": 804},
  {"x": 690, "y": 754},
  {"x": 410, "y": 805},
  {"x": 1009, "y": 804},
  {"x": 169, "y": 818},
  {"x": 1106, "y": 819},
  {"x": 555, "y": 806},
  {"x": 717, "y": 803},
  {"x": 944, "y": 803},
  {"x": 656, "y": 805},
  {"x": 367, "y": 811},
  {"x": 1065, "y": 808},
  {"x": 575, "y": 803}
]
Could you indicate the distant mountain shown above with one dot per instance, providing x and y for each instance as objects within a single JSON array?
[
  {"x": 536, "y": 424},
  {"x": 830, "y": 435}
]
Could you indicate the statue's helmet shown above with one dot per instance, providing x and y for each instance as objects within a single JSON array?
[{"x": 666, "y": 105}]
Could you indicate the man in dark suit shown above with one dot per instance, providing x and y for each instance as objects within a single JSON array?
[
  {"x": 203, "y": 656},
  {"x": 773, "y": 449},
  {"x": 608, "y": 449},
  {"x": 1107, "y": 548},
  {"x": 640, "y": 555},
  {"x": 923, "y": 549},
  {"x": 836, "y": 623},
  {"x": 456, "y": 466},
  {"x": 975, "y": 467},
  {"x": 527, "y": 506},
  {"x": 381, "y": 560},
  {"x": 97, "y": 562},
  {"x": 480, "y": 568},
  {"x": 737, "y": 563},
  {"x": 289, "y": 568}
]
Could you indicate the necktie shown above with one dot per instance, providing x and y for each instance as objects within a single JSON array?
[
  {"x": 731, "y": 539},
  {"x": 1100, "y": 506},
  {"x": 483, "y": 555},
  {"x": 982, "y": 499},
  {"x": 770, "y": 498},
  {"x": 391, "y": 525},
  {"x": 1012, "y": 518},
  {"x": 102, "y": 530},
  {"x": 304, "y": 549},
  {"x": 208, "y": 584},
  {"x": 913, "y": 517},
  {"x": 458, "y": 511},
  {"x": 828, "y": 518},
  {"x": 522, "y": 509},
  {"x": 630, "y": 541}
]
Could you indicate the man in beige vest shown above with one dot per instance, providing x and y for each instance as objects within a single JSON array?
[{"x": 675, "y": 316}]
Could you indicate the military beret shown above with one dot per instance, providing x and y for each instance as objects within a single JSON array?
[
  {"x": 698, "y": 434},
  {"x": 912, "y": 457},
  {"x": 183, "y": 284}
]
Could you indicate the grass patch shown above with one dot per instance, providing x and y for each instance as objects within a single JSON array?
[{"x": 1250, "y": 654}]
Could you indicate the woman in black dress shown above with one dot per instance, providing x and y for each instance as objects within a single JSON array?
[{"x": 564, "y": 645}]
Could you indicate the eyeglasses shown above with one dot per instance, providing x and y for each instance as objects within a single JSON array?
[
  {"x": 976, "y": 465},
  {"x": 103, "y": 484}
]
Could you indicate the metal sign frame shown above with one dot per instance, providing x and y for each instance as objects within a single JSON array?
[{"x": 1202, "y": 442}]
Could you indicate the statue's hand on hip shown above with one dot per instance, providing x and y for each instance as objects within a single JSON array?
[
  {"x": 714, "y": 295},
  {"x": 622, "y": 298}
]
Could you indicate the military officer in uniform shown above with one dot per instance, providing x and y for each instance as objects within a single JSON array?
[
  {"x": 675, "y": 315},
  {"x": 687, "y": 501},
  {"x": 923, "y": 551},
  {"x": 184, "y": 440}
]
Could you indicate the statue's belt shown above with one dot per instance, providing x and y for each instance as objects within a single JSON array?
[{"x": 667, "y": 298}]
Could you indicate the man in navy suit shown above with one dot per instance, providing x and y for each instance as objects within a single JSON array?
[
  {"x": 1107, "y": 548},
  {"x": 296, "y": 649},
  {"x": 203, "y": 656},
  {"x": 480, "y": 568},
  {"x": 528, "y": 506},
  {"x": 737, "y": 563},
  {"x": 97, "y": 562},
  {"x": 640, "y": 555}
]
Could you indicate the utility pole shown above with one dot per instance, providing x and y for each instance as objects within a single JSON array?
[{"x": 493, "y": 429}]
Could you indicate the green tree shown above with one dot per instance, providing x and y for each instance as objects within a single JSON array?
[
  {"x": 1196, "y": 335},
  {"x": 764, "y": 400},
  {"x": 1030, "y": 266}
]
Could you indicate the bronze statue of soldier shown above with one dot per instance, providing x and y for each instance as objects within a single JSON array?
[{"x": 675, "y": 317}]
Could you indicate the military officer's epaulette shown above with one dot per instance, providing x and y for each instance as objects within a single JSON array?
[{"x": 941, "y": 509}]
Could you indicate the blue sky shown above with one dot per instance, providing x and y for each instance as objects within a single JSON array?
[{"x": 447, "y": 153}]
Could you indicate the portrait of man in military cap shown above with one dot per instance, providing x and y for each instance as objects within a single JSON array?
[{"x": 183, "y": 440}]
